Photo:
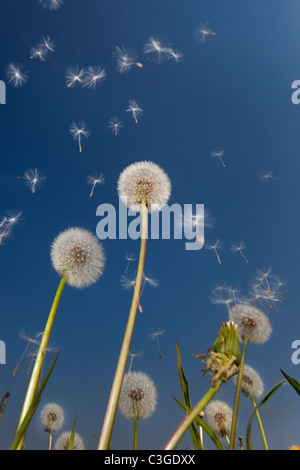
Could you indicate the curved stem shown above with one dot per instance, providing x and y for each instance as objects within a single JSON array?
[
  {"x": 183, "y": 427},
  {"x": 107, "y": 428},
  {"x": 33, "y": 383},
  {"x": 260, "y": 425},
  {"x": 237, "y": 397}
]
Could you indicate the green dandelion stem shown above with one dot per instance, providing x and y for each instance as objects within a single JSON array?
[
  {"x": 107, "y": 428},
  {"x": 188, "y": 420},
  {"x": 135, "y": 434},
  {"x": 33, "y": 383},
  {"x": 237, "y": 397},
  {"x": 260, "y": 424}
]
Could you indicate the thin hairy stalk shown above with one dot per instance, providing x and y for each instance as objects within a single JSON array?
[
  {"x": 135, "y": 434},
  {"x": 260, "y": 424},
  {"x": 237, "y": 397},
  {"x": 108, "y": 424},
  {"x": 183, "y": 427},
  {"x": 33, "y": 383}
]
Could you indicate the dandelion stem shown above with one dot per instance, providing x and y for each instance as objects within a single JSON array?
[
  {"x": 135, "y": 434},
  {"x": 33, "y": 383},
  {"x": 105, "y": 437},
  {"x": 185, "y": 424},
  {"x": 237, "y": 397},
  {"x": 260, "y": 425}
]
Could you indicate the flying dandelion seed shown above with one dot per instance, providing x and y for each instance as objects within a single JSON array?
[
  {"x": 94, "y": 75},
  {"x": 174, "y": 55},
  {"x": 239, "y": 248},
  {"x": 29, "y": 341},
  {"x": 94, "y": 180},
  {"x": 268, "y": 176},
  {"x": 129, "y": 258},
  {"x": 15, "y": 74},
  {"x": 218, "y": 154},
  {"x": 125, "y": 59},
  {"x": 38, "y": 52},
  {"x": 115, "y": 125},
  {"x": 74, "y": 75},
  {"x": 215, "y": 247},
  {"x": 154, "y": 336},
  {"x": 202, "y": 31},
  {"x": 221, "y": 295},
  {"x": 197, "y": 222},
  {"x": 51, "y": 4},
  {"x": 7, "y": 223},
  {"x": 33, "y": 179},
  {"x": 132, "y": 356},
  {"x": 156, "y": 50},
  {"x": 47, "y": 43},
  {"x": 79, "y": 130},
  {"x": 128, "y": 284},
  {"x": 135, "y": 109}
]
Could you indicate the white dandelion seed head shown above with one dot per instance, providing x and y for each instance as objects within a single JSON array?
[
  {"x": 253, "y": 323},
  {"x": 52, "y": 417},
  {"x": 63, "y": 440},
  {"x": 218, "y": 416},
  {"x": 51, "y": 4},
  {"x": 252, "y": 384},
  {"x": 144, "y": 182},
  {"x": 77, "y": 255},
  {"x": 138, "y": 396}
]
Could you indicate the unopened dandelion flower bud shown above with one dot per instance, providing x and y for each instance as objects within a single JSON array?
[
  {"x": 138, "y": 396},
  {"x": 252, "y": 384},
  {"x": 218, "y": 416},
  {"x": 253, "y": 324},
  {"x": 63, "y": 441},
  {"x": 144, "y": 182},
  {"x": 77, "y": 255},
  {"x": 52, "y": 417}
]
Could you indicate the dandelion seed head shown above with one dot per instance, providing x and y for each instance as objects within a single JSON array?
[
  {"x": 63, "y": 441},
  {"x": 144, "y": 182},
  {"x": 252, "y": 322},
  {"x": 252, "y": 384},
  {"x": 218, "y": 416},
  {"x": 138, "y": 396},
  {"x": 52, "y": 417},
  {"x": 77, "y": 255}
]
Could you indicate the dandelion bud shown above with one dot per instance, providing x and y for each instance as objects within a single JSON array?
[
  {"x": 77, "y": 255},
  {"x": 252, "y": 384},
  {"x": 63, "y": 441},
  {"x": 253, "y": 324},
  {"x": 52, "y": 417},
  {"x": 218, "y": 416},
  {"x": 144, "y": 182},
  {"x": 138, "y": 396},
  {"x": 224, "y": 357}
]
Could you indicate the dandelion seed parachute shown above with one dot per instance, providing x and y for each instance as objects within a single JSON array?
[
  {"x": 115, "y": 125},
  {"x": 15, "y": 74},
  {"x": 156, "y": 50},
  {"x": 33, "y": 179},
  {"x": 63, "y": 441},
  {"x": 138, "y": 396},
  {"x": 253, "y": 324},
  {"x": 144, "y": 182},
  {"x": 125, "y": 59},
  {"x": 77, "y": 255},
  {"x": 52, "y": 417},
  {"x": 78, "y": 130},
  {"x": 74, "y": 75},
  {"x": 51, "y": 4},
  {"x": 94, "y": 75},
  {"x": 135, "y": 109}
]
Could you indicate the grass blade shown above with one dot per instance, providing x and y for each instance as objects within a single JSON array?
[
  {"x": 71, "y": 441},
  {"x": 293, "y": 382}
]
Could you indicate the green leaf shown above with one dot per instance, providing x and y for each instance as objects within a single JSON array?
[
  {"x": 263, "y": 400},
  {"x": 71, "y": 441},
  {"x": 26, "y": 421},
  {"x": 293, "y": 382},
  {"x": 186, "y": 398},
  {"x": 204, "y": 426}
]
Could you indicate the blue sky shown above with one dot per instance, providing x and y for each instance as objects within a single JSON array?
[{"x": 232, "y": 92}]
